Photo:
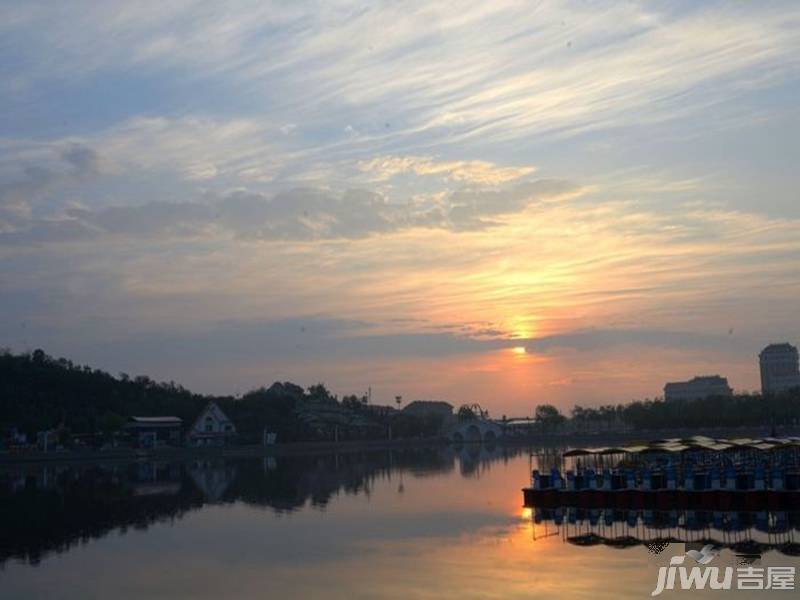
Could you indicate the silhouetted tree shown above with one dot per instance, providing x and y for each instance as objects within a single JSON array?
[{"x": 548, "y": 417}]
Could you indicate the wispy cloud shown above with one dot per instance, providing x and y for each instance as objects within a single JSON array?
[
  {"x": 472, "y": 171},
  {"x": 194, "y": 148},
  {"x": 459, "y": 71}
]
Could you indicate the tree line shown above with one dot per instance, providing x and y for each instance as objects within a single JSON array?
[
  {"x": 778, "y": 410},
  {"x": 39, "y": 392}
]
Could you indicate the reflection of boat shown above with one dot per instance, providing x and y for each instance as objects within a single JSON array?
[
  {"x": 791, "y": 549},
  {"x": 590, "y": 539},
  {"x": 623, "y": 542},
  {"x": 750, "y": 548},
  {"x": 697, "y": 472},
  {"x": 630, "y": 522},
  {"x": 746, "y": 534}
]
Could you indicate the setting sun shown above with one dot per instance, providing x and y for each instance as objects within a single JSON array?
[{"x": 519, "y": 350}]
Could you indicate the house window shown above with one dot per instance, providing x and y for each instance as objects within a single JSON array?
[{"x": 209, "y": 424}]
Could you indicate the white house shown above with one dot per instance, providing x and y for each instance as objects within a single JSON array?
[{"x": 211, "y": 428}]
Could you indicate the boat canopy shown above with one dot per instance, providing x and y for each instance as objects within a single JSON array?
[
  {"x": 692, "y": 444},
  {"x": 672, "y": 448},
  {"x": 577, "y": 452},
  {"x": 611, "y": 450},
  {"x": 636, "y": 449}
]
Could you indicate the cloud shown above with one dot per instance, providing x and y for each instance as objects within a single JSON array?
[
  {"x": 308, "y": 338},
  {"x": 577, "y": 282},
  {"x": 471, "y": 171},
  {"x": 197, "y": 148},
  {"x": 24, "y": 184},
  {"x": 193, "y": 149},
  {"x": 601, "y": 340},
  {"x": 313, "y": 337},
  {"x": 475, "y": 209},
  {"x": 84, "y": 160},
  {"x": 448, "y": 72},
  {"x": 297, "y": 214}
]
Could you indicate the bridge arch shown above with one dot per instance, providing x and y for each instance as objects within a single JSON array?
[{"x": 475, "y": 431}]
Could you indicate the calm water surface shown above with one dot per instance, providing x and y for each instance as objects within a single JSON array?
[{"x": 423, "y": 523}]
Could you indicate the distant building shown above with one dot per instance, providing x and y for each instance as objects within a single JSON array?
[
  {"x": 211, "y": 428},
  {"x": 697, "y": 388},
  {"x": 779, "y": 368},
  {"x": 152, "y": 432}
]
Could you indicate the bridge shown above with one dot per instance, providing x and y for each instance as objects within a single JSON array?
[
  {"x": 478, "y": 430},
  {"x": 474, "y": 426}
]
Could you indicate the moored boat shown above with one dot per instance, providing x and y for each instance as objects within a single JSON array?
[{"x": 697, "y": 472}]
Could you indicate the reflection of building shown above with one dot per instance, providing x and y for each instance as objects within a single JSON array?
[
  {"x": 152, "y": 479},
  {"x": 779, "y": 368},
  {"x": 697, "y": 388},
  {"x": 151, "y": 432},
  {"x": 212, "y": 477},
  {"x": 212, "y": 427}
]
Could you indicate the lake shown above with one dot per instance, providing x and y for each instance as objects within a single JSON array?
[{"x": 411, "y": 523}]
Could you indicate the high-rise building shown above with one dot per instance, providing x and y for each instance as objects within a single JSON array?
[
  {"x": 697, "y": 388},
  {"x": 779, "y": 368}
]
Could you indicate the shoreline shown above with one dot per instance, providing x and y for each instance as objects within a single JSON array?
[
  {"x": 325, "y": 447},
  {"x": 230, "y": 451}
]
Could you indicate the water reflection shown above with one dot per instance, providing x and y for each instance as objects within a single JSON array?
[
  {"x": 51, "y": 508},
  {"x": 423, "y": 522},
  {"x": 747, "y": 534}
]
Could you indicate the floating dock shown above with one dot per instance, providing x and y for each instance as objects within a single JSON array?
[{"x": 687, "y": 473}]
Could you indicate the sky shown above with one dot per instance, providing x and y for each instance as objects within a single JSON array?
[{"x": 507, "y": 203}]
